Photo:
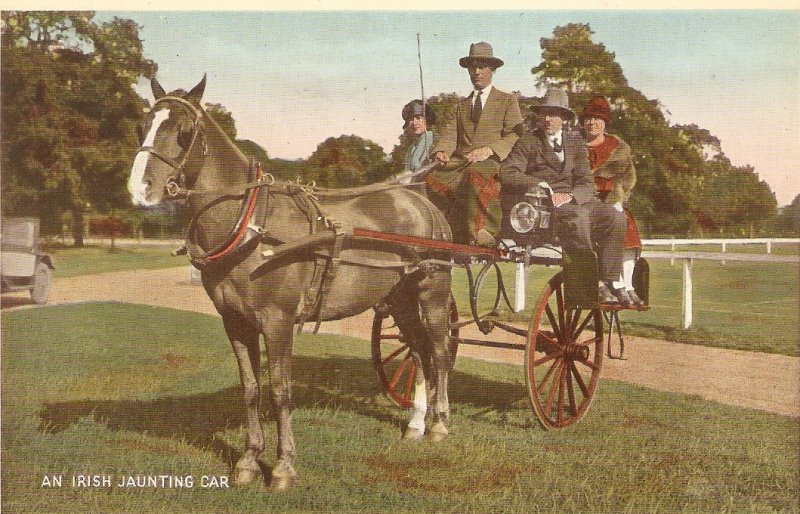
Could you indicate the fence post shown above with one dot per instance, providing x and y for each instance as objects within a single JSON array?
[
  {"x": 672, "y": 249},
  {"x": 519, "y": 288},
  {"x": 769, "y": 245},
  {"x": 687, "y": 293},
  {"x": 724, "y": 250}
]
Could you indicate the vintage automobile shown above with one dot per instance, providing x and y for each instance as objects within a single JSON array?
[{"x": 22, "y": 264}]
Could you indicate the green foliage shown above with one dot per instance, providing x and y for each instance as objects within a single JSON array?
[
  {"x": 288, "y": 170},
  {"x": 571, "y": 60},
  {"x": 347, "y": 161},
  {"x": 788, "y": 222},
  {"x": 252, "y": 149},
  {"x": 68, "y": 112},
  {"x": 224, "y": 119}
]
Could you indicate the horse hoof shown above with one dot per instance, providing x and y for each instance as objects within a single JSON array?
[
  {"x": 282, "y": 483},
  {"x": 244, "y": 476},
  {"x": 438, "y": 433},
  {"x": 412, "y": 434}
]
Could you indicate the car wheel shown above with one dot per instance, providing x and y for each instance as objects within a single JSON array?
[{"x": 41, "y": 283}]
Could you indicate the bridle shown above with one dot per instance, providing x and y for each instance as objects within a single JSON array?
[{"x": 176, "y": 183}]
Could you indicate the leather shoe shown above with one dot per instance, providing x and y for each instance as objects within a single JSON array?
[
  {"x": 635, "y": 298},
  {"x": 622, "y": 296},
  {"x": 604, "y": 294},
  {"x": 484, "y": 238},
  {"x": 610, "y": 294}
]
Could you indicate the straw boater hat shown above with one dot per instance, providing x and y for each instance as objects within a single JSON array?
[
  {"x": 414, "y": 108},
  {"x": 555, "y": 100},
  {"x": 597, "y": 107},
  {"x": 480, "y": 52}
]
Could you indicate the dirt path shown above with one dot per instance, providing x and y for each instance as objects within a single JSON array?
[{"x": 746, "y": 379}]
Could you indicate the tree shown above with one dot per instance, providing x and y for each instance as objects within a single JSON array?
[
  {"x": 570, "y": 59},
  {"x": 253, "y": 149},
  {"x": 788, "y": 222},
  {"x": 347, "y": 161},
  {"x": 68, "y": 113},
  {"x": 739, "y": 203},
  {"x": 224, "y": 119}
]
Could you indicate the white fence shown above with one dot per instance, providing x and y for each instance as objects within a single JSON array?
[
  {"x": 767, "y": 241},
  {"x": 688, "y": 259}
]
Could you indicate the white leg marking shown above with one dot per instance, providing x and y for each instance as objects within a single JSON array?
[
  {"x": 420, "y": 403},
  {"x": 136, "y": 185}
]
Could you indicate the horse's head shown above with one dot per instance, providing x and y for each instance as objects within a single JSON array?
[{"x": 172, "y": 145}]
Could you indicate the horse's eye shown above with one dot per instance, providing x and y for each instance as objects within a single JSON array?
[{"x": 185, "y": 134}]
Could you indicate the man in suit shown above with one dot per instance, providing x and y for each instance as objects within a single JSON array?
[
  {"x": 485, "y": 127},
  {"x": 559, "y": 157}
]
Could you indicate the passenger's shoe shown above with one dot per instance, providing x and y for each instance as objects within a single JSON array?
[
  {"x": 609, "y": 294},
  {"x": 635, "y": 300},
  {"x": 484, "y": 238},
  {"x": 604, "y": 294},
  {"x": 622, "y": 296}
]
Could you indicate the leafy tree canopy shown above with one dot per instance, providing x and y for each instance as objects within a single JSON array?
[
  {"x": 69, "y": 111},
  {"x": 347, "y": 161}
]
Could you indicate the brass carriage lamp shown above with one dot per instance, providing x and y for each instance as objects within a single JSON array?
[{"x": 533, "y": 213}]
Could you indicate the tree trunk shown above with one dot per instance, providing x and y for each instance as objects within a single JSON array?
[{"x": 77, "y": 226}]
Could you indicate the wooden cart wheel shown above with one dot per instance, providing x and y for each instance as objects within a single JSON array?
[
  {"x": 563, "y": 358},
  {"x": 394, "y": 360},
  {"x": 41, "y": 283}
]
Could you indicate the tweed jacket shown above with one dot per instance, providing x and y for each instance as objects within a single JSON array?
[
  {"x": 533, "y": 160},
  {"x": 618, "y": 167},
  {"x": 499, "y": 127}
]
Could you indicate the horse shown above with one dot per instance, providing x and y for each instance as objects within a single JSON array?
[{"x": 270, "y": 250}]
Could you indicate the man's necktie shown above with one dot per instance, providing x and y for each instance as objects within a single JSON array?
[
  {"x": 556, "y": 145},
  {"x": 477, "y": 108}
]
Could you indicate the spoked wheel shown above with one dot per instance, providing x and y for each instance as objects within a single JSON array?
[
  {"x": 563, "y": 358},
  {"x": 394, "y": 360}
]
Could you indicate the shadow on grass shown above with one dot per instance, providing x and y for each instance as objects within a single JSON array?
[{"x": 336, "y": 383}]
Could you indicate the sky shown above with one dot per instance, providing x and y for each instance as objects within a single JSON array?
[{"x": 292, "y": 79}]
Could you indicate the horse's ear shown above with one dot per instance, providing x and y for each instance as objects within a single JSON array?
[
  {"x": 197, "y": 91},
  {"x": 158, "y": 91}
]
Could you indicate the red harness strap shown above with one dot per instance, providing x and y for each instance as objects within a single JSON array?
[{"x": 251, "y": 205}]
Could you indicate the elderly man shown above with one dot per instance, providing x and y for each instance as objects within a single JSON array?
[
  {"x": 559, "y": 157},
  {"x": 485, "y": 127}
]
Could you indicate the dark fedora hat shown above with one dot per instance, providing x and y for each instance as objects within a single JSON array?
[
  {"x": 555, "y": 100},
  {"x": 480, "y": 52},
  {"x": 414, "y": 108}
]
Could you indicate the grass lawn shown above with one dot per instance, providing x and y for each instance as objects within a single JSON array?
[
  {"x": 72, "y": 261},
  {"x": 116, "y": 389}
]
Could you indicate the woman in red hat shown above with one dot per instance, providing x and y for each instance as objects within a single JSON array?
[{"x": 614, "y": 177}]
